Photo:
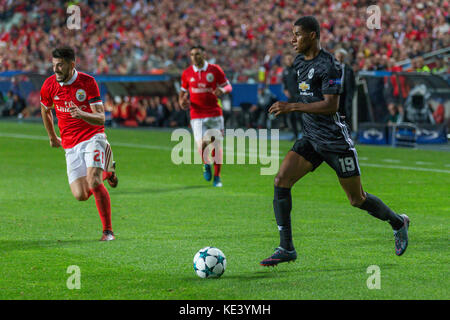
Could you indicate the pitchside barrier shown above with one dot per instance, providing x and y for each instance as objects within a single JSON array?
[
  {"x": 401, "y": 108},
  {"x": 402, "y": 134}
]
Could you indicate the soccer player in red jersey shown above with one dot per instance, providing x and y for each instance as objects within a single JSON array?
[
  {"x": 81, "y": 117},
  {"x": 203, "y": 83}
]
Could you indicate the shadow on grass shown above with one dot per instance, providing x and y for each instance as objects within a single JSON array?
[
  {"x": 159, "y": 190},
  {"x": 264, "y": 274}
]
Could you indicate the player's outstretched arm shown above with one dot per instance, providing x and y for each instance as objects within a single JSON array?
[
  {"x": 47, "y": 118},
  {"x": 329, "y": 105},
  {"x": 96, "y": 118}
]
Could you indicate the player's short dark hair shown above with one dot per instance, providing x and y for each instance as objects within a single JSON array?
[
  {"x": 309, "y": 24},
  {"x": 197, "y": 47},
  {"x": 67, "y": 53}
]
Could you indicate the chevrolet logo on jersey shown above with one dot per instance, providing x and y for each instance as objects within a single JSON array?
[{"x": 303, "y": 86}]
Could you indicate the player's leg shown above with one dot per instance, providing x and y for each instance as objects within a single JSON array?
[
  {"x": 216, "y": 129},
  {"x": 297, "y": 163},
  {"x": 80, "y": 189},
  {"x": 293, "y": 168},
  {"x": 95, "y": 157},
  {"x": 76, "y": 174},
  {"x": 347, "y": 169},
  {"x": 378, "y": 209},
  {"x": 102, "y": 200},
  {"x": 198, "y": 129}
]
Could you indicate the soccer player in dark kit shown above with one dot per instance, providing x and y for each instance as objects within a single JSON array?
[{"x": 326, "y": 138}]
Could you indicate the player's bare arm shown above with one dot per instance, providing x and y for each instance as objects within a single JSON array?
[
  {"x": 329, "y": 105},
  {"x": 47, "y": 118},
  {"x": 96, "y": 118},
  {"x": 183, "y": 100}
]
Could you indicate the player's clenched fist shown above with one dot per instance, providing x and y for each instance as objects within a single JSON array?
[
  {"x": 184, "y": 103},
  {"x": 55, "y": 142},
  {"x": 280, "y": 107}
]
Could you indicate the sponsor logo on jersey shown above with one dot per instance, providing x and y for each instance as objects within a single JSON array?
[
  {"x": 311, "y": 73},
  {"x": 303, "y": 86},
  {"x": 80, "y": 95},
  {"x": 55, "y": 98},
  {"x": 201, "y": 90},
  {"x": 192, "y": 79},
  {"x": 62, "y": 109},
  {"x": 209, "y": 77}
]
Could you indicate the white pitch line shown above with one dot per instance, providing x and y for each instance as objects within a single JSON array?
[
  {"x": 424, "y": 163},
  {"x": 391, "y": 160},
  {"x": 404, "y": 168},
  {"x": 157, "y": 147}
]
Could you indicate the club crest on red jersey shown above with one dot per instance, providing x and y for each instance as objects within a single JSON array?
[
  {"x": 80, "y": 95},
  {"x": 209, "y": 77}
]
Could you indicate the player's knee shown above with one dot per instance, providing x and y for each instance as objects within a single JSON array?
[
  {"x": 82, "y": 196},
  {"x": 94, "y": 182},
  {"x": 282, "y": 180},
  {"x": 357, "y": 201}
]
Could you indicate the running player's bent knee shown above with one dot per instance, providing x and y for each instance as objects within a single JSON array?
[
  {"x": 357, "y": 201},
  {"x": 282, "y": 181},
  {"x": 94, "y": 182},
  {"x": 81, "y": 196}
]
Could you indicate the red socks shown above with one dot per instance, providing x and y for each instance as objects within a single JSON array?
[
  {"x": 103, "y": 202},
  {"x": 217, "y": 166}
]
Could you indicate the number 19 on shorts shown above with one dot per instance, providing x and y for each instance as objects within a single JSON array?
[{"x": 347, "y": 164}]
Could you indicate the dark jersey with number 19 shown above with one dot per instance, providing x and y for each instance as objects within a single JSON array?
[{"x": 315, "y": 78}]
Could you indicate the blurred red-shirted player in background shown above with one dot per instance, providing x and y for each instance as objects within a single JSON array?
[
  {"x": 202, "y": 83},
  {"x": 81, "y": 117}
]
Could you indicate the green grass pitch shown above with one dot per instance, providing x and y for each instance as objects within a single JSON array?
[{"x": 163, "y": 213}]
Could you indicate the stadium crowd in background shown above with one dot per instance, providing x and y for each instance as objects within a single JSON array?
[
  {"x": 146, "y": 111},
  {"x": 145, "y": 36},
  {"x": 154, "y": 37}
]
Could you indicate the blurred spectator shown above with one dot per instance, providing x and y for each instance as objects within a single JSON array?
[
  {"x": 109, "y": 108},
  {"x": 290, "y": 89},
  {"x": 348, "y": 87},
  {"x": 259, "y": 112},
  {"x": 393, "y": 86},
  {"x": 393, "y": 116},
  {"x": 14, "y": 105},
  {"x": 421, "y": 66},
  {"x": 155, "y": 113},
  {"x": 441, "y": 66},
  {"x": 8, "y": 105},
  {"x": 177, "y": 117}
]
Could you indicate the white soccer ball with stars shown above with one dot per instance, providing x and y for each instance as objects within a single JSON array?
[{"x": 209, "y": 262}]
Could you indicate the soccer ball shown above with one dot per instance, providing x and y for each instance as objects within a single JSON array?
[{"x": 209, "y": 262}]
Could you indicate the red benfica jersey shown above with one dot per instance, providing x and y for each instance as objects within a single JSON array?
[
  {"x": 81, "y": 90},
  {"x": 201, "y": 84}
]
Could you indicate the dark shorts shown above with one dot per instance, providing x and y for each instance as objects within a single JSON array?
[{"x": 345, "y": 163}]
